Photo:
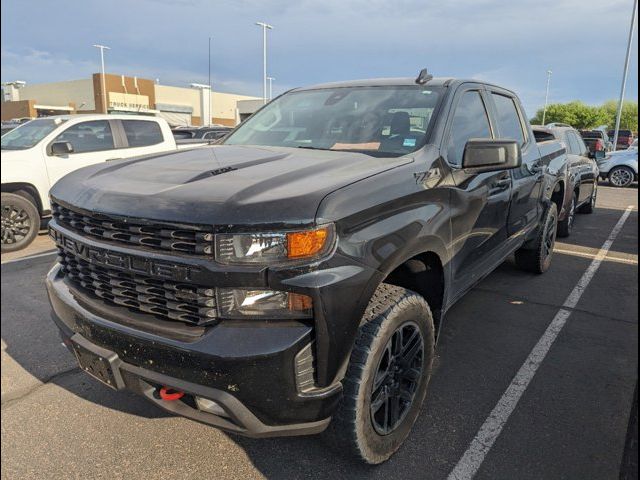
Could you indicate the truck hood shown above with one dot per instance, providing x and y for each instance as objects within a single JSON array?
[{"x": 224, "y": 185}]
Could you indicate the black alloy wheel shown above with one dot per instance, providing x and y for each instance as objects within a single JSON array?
[
  {"x": 396, "y": 378},
  {"x": 20, "y": 222}
]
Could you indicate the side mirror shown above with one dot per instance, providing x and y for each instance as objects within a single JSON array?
[
  {"x": 486, "y": 154},
  {"x": 61, "y": 148},
  {"x": 598, "y": 154}
]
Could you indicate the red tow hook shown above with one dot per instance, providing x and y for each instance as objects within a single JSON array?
[{"x": 169, "y": 394}]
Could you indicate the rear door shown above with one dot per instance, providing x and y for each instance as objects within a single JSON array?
[
  {"x": 527, "y": 180},
  {"x": 92, "y": 141},
  {"x": 479, "y": 201}
]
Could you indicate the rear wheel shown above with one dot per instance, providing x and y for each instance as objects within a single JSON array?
[
  {"x": 386, "y": 381},
  {"x": 621, "y": 177},
  {"x": 536, "y": 256},
  {"x": 565, "y": 226},
  {"x": 20, "y": 222}
]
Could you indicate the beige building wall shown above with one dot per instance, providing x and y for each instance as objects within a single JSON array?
[
  {"x": 224, "y": 105},
  {"x": 179, "y": 96},
  {"x": 61, "y": 93}
]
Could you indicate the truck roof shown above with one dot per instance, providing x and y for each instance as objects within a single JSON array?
[
  {"x": 400, "y": 81},
  {"x": 102, "y": 116}
]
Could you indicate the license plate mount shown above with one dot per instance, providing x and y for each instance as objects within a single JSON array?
[{"x": 100, "y": 363}]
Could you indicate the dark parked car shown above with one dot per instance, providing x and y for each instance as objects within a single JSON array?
[
  {"x": 295, "y": 278},
  {"x": 200, "y": 133},
  {"x": 578, "y": 180},
  {"x": 597, "y": 140},
  {"x": 625, "y": 138}
]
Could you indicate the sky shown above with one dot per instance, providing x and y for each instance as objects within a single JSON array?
[{"x": 511, "y": 43}]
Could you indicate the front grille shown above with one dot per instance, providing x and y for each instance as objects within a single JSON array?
[
  {"x": 190, "y": 239},
  {"x": 166, "y": 299}
]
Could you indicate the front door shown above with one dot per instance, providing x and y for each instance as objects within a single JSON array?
[
  {"x": 479, "y": 201},
  {"x": 92, "y": 142}
]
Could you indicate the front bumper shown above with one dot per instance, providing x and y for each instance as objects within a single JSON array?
[{"x": 248, "y": 369}]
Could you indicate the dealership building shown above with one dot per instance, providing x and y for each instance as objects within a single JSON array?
[{"x": 180, "y": 106}]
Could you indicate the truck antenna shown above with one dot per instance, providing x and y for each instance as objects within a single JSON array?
[{"x": 423, "y": 77}]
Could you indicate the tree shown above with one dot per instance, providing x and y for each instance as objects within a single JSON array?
[
  {"x": 576, "y": 114},
  {"x": 580, "y": 115},
  {"x": 629, "y": 117}
]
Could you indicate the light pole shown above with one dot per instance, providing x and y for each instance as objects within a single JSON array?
[
  {"x": 104, "y": 93},
  {"x": 624, "y": 74},
  {"x": 546, "y": 97},
  {"x": 264, "y": 26},
  {"x": 271, "y": 79}
]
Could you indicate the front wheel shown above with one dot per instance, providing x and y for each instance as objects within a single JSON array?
[
  {"x": 20, "y": 222},
  {"x": 621, "y": 177},
  {"x": 386, "y": 380},
  {"x": 536, "y": 255}
]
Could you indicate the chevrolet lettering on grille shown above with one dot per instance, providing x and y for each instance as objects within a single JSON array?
[{"x": 130, "y": 263}]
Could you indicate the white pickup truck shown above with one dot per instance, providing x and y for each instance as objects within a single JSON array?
[{"x": 37, "y": 154}]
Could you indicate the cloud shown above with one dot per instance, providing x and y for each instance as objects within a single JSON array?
[{"x": 511, "y": 43}]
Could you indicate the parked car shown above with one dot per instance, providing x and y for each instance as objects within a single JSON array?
[
  {"x": 597, "y": 140},
  {"x": 625, "y": 138},
  {"x": 621, "y": 167},
  {"x": 38, "y": 153},
  {"x": 200, "y": 133},
  {"x": 299, "y": 282},
  {"x": 578, "y": 177}
]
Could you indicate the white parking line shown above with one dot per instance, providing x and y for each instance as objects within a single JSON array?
[
  {"x": 53, "y": 252},
  {"x": 472, "y": 459}
]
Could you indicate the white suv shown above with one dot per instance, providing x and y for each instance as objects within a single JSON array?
[{"x": 38, "y": 153}]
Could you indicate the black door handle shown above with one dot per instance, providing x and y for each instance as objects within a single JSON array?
[{"x": 503, "y": 182}]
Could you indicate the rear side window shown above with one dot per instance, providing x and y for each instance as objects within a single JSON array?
[
  {"x": 470, "y": 120},
  {"x": 88, "y": 136},
  {"x": 141, "y": 133},
  {"x": 582, "y": 147},
  {"x": 574, "y": 147},
  {"x": 508, "y": 120}
]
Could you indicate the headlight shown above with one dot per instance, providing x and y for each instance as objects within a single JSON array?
[
  {"x": 275, "y": 247},
  {"x": 242, "y": 303}
]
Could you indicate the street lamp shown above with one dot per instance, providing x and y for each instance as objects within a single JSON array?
[
  {"x": 264, "y": 26},
  {"x": 546, "y": 97},
  {"x": 271, "y": 79},
  {"x": 624, "y": 75},
  {"x": 104, "y": 87}
]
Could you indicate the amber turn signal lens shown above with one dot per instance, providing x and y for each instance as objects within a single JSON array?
[
  {"x": 299, "y": 302},
  {"x": 307, "y": 243}
]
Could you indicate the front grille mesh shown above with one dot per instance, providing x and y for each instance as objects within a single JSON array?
[
  {"x": 165, "y": 299},
  {"x": 190, "y": 239}
]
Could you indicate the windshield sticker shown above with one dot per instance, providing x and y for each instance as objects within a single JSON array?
[{"x": 409, "y": 142}]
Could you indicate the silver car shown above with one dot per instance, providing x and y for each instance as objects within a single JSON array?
[{"x": 621, "y": 167}]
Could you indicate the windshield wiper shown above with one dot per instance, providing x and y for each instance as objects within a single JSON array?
[{"x": 308, "y": 147}]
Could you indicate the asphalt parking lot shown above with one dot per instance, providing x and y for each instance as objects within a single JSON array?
[{"x": 570, "y": 422}]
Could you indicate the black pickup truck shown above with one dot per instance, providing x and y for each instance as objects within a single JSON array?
[{"x": 294, "y": 279}]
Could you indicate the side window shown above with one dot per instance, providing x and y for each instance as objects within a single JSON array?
[
  {"x": 508, "y": 120},
  {"x": 574, "y": 148},
  {"x": 470, "y": 120},
  {"x": 88, "y": 136},
  {"x": 582, "y": 147},
  {"x": 142, "y": 133}
]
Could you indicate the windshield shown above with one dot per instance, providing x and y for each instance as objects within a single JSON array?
[
  {"x": 380, "y": 121},
  {"x": 29, "y": 134}
]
